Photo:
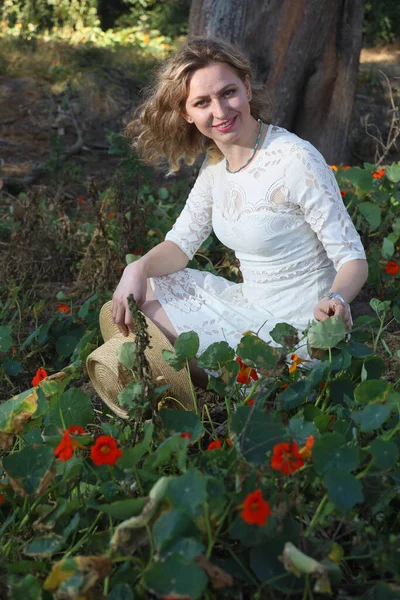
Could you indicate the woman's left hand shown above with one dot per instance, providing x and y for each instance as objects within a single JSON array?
[{"x": 327, "y": 307}]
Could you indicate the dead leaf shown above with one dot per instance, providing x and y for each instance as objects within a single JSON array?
[{"x": 219, "y": 578}]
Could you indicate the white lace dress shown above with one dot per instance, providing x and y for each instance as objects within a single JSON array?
[{"x": 285, "y": 219}]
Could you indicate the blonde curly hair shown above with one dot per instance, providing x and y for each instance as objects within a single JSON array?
[{"x": 160, "y": 131}]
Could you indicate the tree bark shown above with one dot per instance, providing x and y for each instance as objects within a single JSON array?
[{"x": 305, "y": 52}]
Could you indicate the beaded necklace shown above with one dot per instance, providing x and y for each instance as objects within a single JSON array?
[{"x": 252, "y": 154}]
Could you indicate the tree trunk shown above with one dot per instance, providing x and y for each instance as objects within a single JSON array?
[{"x": 306, "y": 52}]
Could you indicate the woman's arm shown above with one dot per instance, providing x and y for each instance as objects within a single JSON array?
[
  {"x": 348, "y": 282},
  {"x": 163, "y": 259}
]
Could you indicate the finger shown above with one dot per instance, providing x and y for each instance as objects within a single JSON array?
[
  {"x": 320, "y": 315},
  {"x": 120, "y": 320}
]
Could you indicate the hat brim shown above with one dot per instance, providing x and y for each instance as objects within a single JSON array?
[{"x": 109, "y": 378}]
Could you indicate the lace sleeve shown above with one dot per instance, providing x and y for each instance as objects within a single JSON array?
[
  {"x": 314, "y": 188},
  {"x": 193, "y": 225}
]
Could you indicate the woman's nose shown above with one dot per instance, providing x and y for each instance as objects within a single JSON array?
[{"x": 219, "y": 109}]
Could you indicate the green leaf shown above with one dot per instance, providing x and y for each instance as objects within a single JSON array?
[
  {"x": 187, "y": 547},
  {"x": 216, "y": 355},
  {"x": 372, "y": 417},
  {"x": 226, "y": 382},
  {"x": 76, "y": 408},
  {"x": 326, "y": 334},
  {"x": 12, "y": 367},
  {"x": 188, "y": 492},
  {"x": 388, "y": 248},
  {"x": 373, "y": 391},
  {"x": 127, "y": 354},
  {"x": 392, "y": 172},
  {"x": 373, "y": 367},
  {"x": 29, "y": 469},
  {"x": 187, "y": 345},
  {"x": 372, "y": 213},
  {"x": 170, "y": 526},
  {"x": 65, "y": 345},
  {"x": 176, "y": 577},
  {"x": 285, "y": 335},
  {"x": 381, "y": 307},
  {"x": 166, "y": 450},
  {"x": 28, "y": 588},
  {"x": 132, "y": 456},
  {"x": 264, "y": 561},
  {"x": 257, "y": 431},
  {"x": 344, "y": 490},
  {"x": 254, "y": 352},
  {"x": 385, "y": 453},
  {"x": 18, "y": 410},
  {"x": 330, "y": 453},
  {"x": 122, "y": 591},
  {"x": 5, "y": 338},
  {"x": 299, "y": 430},
  {"x": 361, "y": 178},
  {"x": 179, "y": 421},
  {"x": 294, "y": 395},
  {"x": 123, "y": 509},
  {"x": 45, "y": 545},
  {"x": 131, "y": 394},
  {"x": 173, "y": 360}
]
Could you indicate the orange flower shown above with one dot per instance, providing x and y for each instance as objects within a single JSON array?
[
  {"x": 66, "y": 447},
  {"x": 379, "y": 174},
  {"x": 286, "y": 458},
  {"x": 64, "y": 308},
  {"x": 246, "y": 373},
  {"x": 2, "y": 498},
  {"x": 284, "y": 386},
  {"x": 81, "y": 200},
  {"x": 111, "y": 214},
  {"x": 105, "y": 451},
  {"x": 392, "y": 268},
  {"x": 229, "y": 441},
  {"x": 343, "y": 193},
  {"x": 184, "y": 434},
  {"x": 296, "y": 362},
  {"x": 306, "y": 450},
  {"x": 214, "y": 445},
  {"x": 334, "y": 167},
  {"x": 250, "y": 402},
  {"x": 39, "y": 376},
  {"x": 146, "y": 39},
  {"x": 76, "y": 430},
  {"x": 346, "y": 168},
  {"x": 256, "y": 510}
]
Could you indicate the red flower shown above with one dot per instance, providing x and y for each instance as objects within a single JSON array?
[
  {"x": 392, "y": 268},
  {"x": 256, "y": 510},
  {"x": 187, "y": 435},
  {"x": 379, "y": 174},
  {"x": 250, "y": 402},
  {"x": 246, "y": 373},
  {"x": 214, "y": 445},
  {"x": 346, "y": 168},
  {"x": 105, "y": 451},
  {"x": 138, "y": 251},
  {"x": 76, "y": 430},
  {"x": 286, "y": 458},
  {"x": 306, "y": 450},
  {"x": 343, "y": 193},
  {"x": 39, "y": 376},
  {"x": 66, "y": 447},
  {"x": 296, "y": 362},
  {"x": 284, "y": 386},
  {"x": 2, "y": 499},
  {"x": 64, "y": 308},
  {"x": 229, "y": 441},
  {"x": 81, "y": 200}
]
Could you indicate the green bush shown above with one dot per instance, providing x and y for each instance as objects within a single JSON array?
[{"x": 381, "y": 21}]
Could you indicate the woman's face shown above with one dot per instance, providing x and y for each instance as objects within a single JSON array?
[{"x": 218, "y": 103}]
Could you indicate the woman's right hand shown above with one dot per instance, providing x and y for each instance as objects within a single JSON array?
[{"x": 133, "y": 281}]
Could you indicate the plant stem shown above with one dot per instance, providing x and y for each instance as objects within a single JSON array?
[
  {"x": 194, "y": 398},
  {"x": 316, "y": 515}
]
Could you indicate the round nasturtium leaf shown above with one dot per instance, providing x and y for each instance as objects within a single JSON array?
[
  {"x": 372, "y": 391},
  {"x": 344, "y": 490},
  {"x": 372, "y": 417},
  {"x": 385, "y": 453}
]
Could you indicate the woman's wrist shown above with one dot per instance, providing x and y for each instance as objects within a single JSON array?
[{"x": 336, "y": 296}]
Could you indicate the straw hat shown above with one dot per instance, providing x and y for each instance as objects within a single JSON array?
[{"x": 109, "y": 379}]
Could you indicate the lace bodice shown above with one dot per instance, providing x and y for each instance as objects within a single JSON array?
[{"x": 283, "y": 215}]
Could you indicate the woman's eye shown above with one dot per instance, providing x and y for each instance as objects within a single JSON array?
[
  {"x": 201, "y": 103},
  {"x": 228, "y": 92}
]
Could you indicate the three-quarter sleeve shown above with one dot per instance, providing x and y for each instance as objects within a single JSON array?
[
  {"x": 194, "y": 224},
  {"x": 313, "y": 187}
]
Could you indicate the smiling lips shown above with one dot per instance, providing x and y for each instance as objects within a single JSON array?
[{"x": 226, "y": 125}]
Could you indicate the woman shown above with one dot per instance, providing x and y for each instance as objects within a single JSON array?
[{"x": 267, "y": 194}]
